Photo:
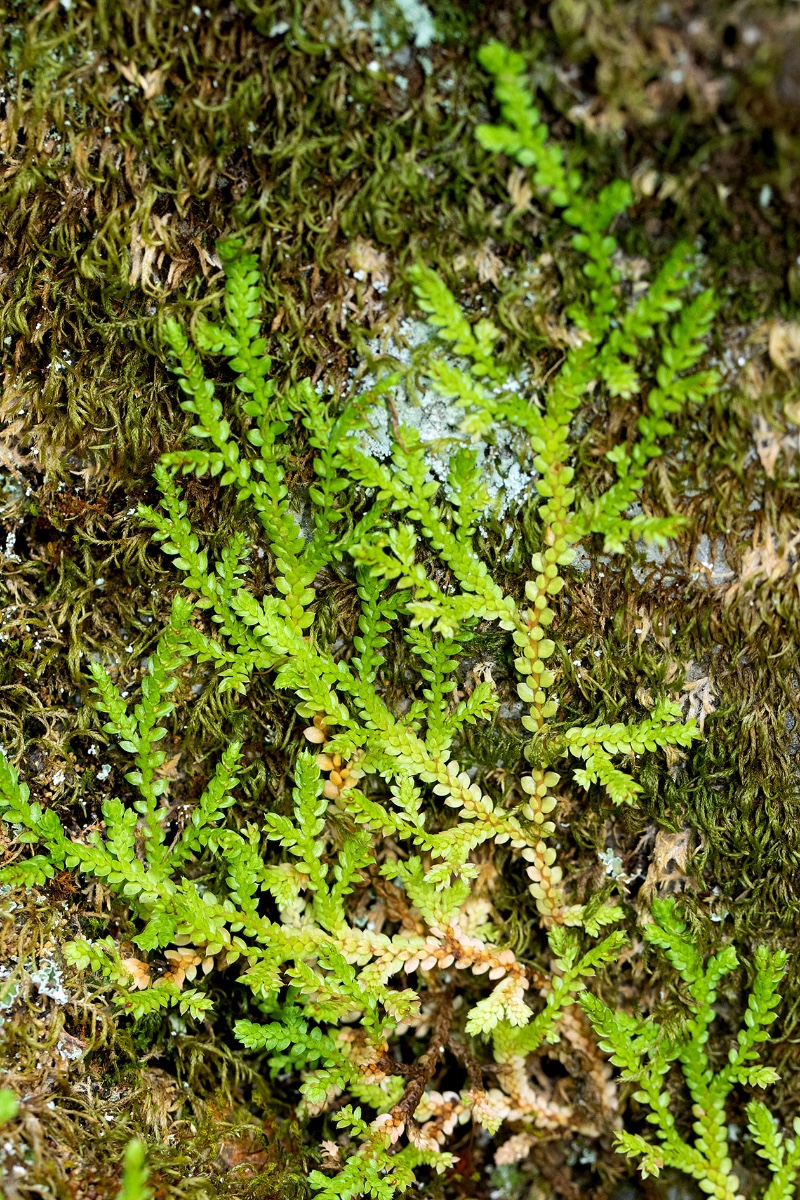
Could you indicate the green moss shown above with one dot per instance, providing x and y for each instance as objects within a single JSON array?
[{"x": 159, "y": 160}]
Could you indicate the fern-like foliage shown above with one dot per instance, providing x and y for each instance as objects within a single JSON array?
[
  {"x": 196, "y": 887},
  {"x": 646, "y": 1052},
  {"x": 135, "y": 1173}
]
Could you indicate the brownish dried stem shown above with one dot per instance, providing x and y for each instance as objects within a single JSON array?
[
  {"x": 424, "y": 1069},
  {"x": 474, "y": 1068},
  {"x": 390, "y": 1066}
]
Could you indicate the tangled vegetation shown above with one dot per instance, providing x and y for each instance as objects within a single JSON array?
[{"x": 375, "y": 860}]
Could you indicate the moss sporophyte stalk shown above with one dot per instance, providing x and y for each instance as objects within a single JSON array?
[{"x": 336, "y": 996}]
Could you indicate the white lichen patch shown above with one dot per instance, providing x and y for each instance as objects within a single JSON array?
[
  {"x": 714, "y": 567},
  {"x": 48, "y": 980},
  {"x": 700, "y": 695},
  {"x": 653, "y": 559},
  {"x": 69, "y": 1049},
  {"x": 18, "y": 982},
  {"x": 45, "y": 978},
  {"x": 504, "y": 457},
  {"x": 10, "y": 987},
  {"x": 419, "y": 22},
  {"x": 612, "y": 863}
]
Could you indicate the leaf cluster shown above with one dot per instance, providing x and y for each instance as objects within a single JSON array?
[{"x": 646, "y": 1051}]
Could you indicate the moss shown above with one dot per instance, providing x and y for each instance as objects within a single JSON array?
[{"x": 129, "y": 144}]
